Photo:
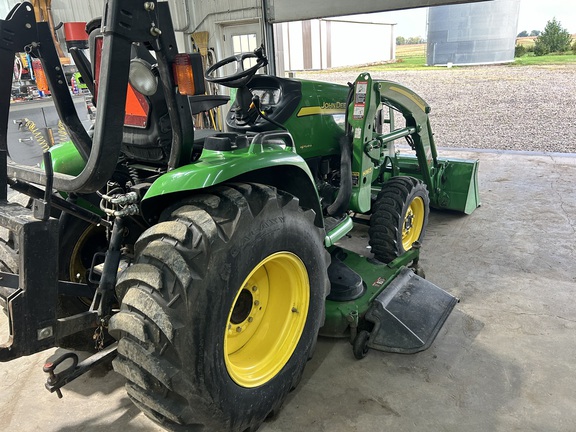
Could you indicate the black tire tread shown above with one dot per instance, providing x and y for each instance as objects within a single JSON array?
[
  {"x": 387, "y": 216},
  {"x": 170, "y": 258}
]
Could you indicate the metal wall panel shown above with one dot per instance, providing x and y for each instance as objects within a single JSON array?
[
  {"x": 85, "y": 10},
  {"x": 76, "y": 10},
  {"x": 64, "y": 10},
  {"x": 482, "y": 33}
]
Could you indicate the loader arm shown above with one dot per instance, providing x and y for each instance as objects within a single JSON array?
[{"x": 452, "y": 183}]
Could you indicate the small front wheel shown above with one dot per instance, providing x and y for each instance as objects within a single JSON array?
[
  {"x": 399, "y": 217},
  {"x": 360, "y": 345}
]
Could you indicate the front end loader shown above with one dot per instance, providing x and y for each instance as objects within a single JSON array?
[{"x": 205, "y": 264}]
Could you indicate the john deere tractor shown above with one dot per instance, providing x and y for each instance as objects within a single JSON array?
[{"x": 206, "y": 263}]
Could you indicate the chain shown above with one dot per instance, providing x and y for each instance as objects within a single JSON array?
[{"x": 98, "y": 336}]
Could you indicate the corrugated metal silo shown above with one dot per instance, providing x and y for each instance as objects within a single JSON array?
[{"x": 476, "y": 33}]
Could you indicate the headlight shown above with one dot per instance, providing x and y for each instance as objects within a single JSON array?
[{"x": 142, "y": 77}]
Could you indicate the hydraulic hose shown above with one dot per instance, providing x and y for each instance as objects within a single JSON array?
[
  {"x": 42, "y": 142},
  {"x": 340, "y": 204}
]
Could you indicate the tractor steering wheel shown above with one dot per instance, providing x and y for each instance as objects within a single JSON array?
[{"x": 241, "y": 77}]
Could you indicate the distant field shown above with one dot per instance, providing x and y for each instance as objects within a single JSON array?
[
  {"x": 530, "y": 59},
  {"x": 413, "y": 57},
  {"x": 418, "y": 50},
  {"x": 526, "y": 41},
  {"x": 529, "y": 40},
  {"x": 407, "y": 57}
]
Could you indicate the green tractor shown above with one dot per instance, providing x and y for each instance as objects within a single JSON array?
[{"x": 205, "y": 264}]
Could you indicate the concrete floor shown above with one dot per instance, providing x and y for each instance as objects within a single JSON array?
[{"x": 504, "y": 361}]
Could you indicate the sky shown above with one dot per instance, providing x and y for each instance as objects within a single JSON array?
[{"x": 534, "y": 14}]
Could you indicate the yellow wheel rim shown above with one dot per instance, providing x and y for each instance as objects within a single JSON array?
[
  {"x": 413, "y": 223},
  {"x": 77, "y": 267},
  {"x": 266, "y": 320}
]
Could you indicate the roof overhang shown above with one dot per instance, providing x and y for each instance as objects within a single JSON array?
[{"x": 296, "y": 10}]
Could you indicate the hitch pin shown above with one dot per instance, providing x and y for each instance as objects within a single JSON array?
[
  {"x": 53, "y": 383},
  {"x": 52, "y": 379}
]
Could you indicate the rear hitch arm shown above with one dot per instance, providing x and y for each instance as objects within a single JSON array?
[
  {"x": 103, "y": 304},
  {"x": 58, "y": 380}
]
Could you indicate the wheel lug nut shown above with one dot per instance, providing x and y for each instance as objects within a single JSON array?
[
  {"x": 250, "y": 319},
  {"x": 256, "y": 302},
  {"x": 254, "y": 288},
  {"x": 238, "y": 329}
]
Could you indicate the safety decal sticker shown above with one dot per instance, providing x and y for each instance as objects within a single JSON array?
[
  {"x": 361, "y": 90},
  {"x": 358, "y": 111}
]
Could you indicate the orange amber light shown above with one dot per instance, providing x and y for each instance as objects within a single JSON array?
[{"x": 184, "y": 75}]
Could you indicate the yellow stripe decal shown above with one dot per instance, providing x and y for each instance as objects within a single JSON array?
[
  {"x": 421, "y": 104},
  {"x": 316, "y": 110}
]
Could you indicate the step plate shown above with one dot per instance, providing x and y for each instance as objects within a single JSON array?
[{"x": 408, "y": 314}]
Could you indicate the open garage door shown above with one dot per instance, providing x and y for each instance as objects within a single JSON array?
[{"x": 296, "y": 10}]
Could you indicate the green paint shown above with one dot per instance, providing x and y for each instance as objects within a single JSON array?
[
  {"x": 318, "y": 121},
  {"x": 214, "y": 167},
  {"x": 376, "y": 277},
  {"x": 66, "y": 159},
  {"x": 454, "y": 182},
  {"x": 339, "y": 231}
]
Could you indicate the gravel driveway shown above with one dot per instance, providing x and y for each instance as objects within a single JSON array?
[{"x": 528, "y": 108}]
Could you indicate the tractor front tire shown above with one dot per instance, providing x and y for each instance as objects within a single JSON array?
[
  {"x": 221, "y": 310},
  {"x": 399, "y": 217}
]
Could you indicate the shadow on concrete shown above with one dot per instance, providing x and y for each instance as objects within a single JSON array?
[
  {"x": 364, "y": 393},
  {"x": 101, "y": 422}
]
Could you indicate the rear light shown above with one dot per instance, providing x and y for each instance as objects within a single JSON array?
[
  {"x": 183, "y": 74},
  {"x": 137, "y": 108},
  {"x": 188, "y": 76},
  {"x": 142, "y": 77}
]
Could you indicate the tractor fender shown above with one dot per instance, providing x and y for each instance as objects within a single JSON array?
[
  {"x": 66, "y": 159},
  {"x": 275, "y": 166}
]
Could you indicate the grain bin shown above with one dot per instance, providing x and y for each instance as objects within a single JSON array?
[{"x": 470, "y": 34}]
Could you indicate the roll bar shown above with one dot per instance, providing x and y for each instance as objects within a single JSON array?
[{"x": 125, "y": 21}]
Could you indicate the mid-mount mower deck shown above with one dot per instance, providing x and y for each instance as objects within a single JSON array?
[{"x": 207, "y": 263}]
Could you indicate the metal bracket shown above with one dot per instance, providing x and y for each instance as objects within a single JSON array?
[
  {"x": 42, "y": 207},
  {"x": 58, "y": 380}
]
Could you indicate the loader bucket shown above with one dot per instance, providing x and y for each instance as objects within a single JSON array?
[
  {"x": 456, "y": 185},
  {"x": 453, "y": 184}
]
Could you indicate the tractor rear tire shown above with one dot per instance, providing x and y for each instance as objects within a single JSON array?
[
  {"x": 79, "y": 241},
  {"x": 222, "y": 308},
  {"x": 399, "y": 217}
]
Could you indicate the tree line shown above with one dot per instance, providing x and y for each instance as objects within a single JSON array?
[
  {"x": 401, "y": 40},
  {"x": 553, "y": 39}
]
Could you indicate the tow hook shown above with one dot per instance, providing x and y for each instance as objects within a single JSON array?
[{"x": 58, "y": 380}]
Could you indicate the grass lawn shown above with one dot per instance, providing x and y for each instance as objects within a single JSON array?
[
  {"x": 550, "y": 59},
  {"x": 413, "y": 57}
]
